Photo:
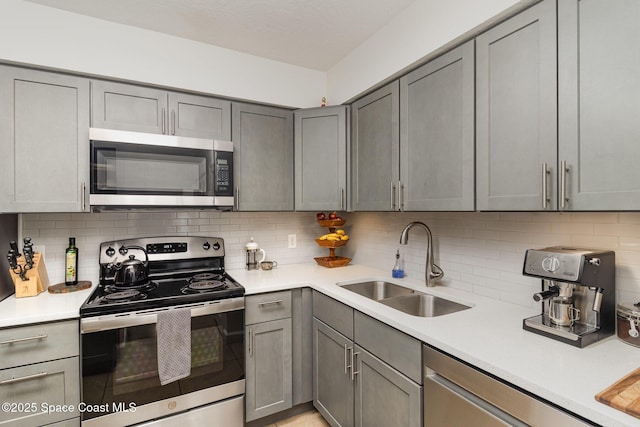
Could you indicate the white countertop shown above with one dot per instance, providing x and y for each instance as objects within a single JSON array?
[{"x": 489, "y": 336}]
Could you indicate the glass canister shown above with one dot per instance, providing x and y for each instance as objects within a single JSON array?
[{"x": 628, "y": 323}]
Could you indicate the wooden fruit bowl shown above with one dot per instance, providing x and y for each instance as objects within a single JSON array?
[
  {"x": 331, "y": 223},
  {"x": 331, "y": 243},
  {"x": 333, "y": 261}
]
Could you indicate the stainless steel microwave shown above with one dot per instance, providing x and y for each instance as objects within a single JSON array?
[{"x": 133, "y": 169}]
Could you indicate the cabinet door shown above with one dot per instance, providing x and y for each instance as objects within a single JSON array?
[
  {"x": 384, "y": 397},
  {"x": 49, "y": 383},
  {"x": 599, "y": 130},
  {"x": 263, "y": 157},
  {"x": 199, "y": 116},
  {"x": 437, "y": 134},
  {"x": 268, "y": 368},
  {"x": 44, "y": 141},
  {"x": 516, "y": 105},
  {"x": 321, "y": 158},
  {"x": 128, "y": 107},
  {"x": 375, "y": 157},
  {"x": 333, "y": 389}
]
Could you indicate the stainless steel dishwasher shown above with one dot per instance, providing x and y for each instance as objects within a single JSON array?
[{"x": 456, "y": 394}]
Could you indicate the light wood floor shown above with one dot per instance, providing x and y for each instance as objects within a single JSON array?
[{"x": 306, "y": 419}]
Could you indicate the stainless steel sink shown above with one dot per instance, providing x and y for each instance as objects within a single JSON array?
[
  {"x": 424, "y": 305},
  {"x": 378, "y": 289},
  {"x": 404, "y": 299}
]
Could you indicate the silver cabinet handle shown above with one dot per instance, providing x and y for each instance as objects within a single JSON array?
[
  {"x": 393, "y": 196},
  {"x": 164, "y": 122},
  {"x": 354, "y": 372},
  {"x": 18, "y": 340},
  {"x": 401, "y": 196},
  {"x": 250, "y": 342},
  {"x": 342, "y": 199},
  {"x": 563, "y": 184},
  {"x": 237, "y": 200},
  {"x": 25, "y": 378},
  {"x": 83, "y": 189},
  {"x": 346, "y": 367},
  {"x": 262, "y": 304},
  {"x": 173, "y": 122},
  {"x": 545, "y": 176}
]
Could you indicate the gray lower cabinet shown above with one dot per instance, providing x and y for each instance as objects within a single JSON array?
[
  {"x": 263, "y": 157},
  {"x": 375, "y": 150},
  {"x": 278, "y": 352},
  {"x": 437, "y": 134},
  {"x": 321, "y": 136},
  {"x": 599, "y": 130},
  {"x": 145, "y": 109},
  {"x": 44, "y": 141},
  {"x": 516, "y": 112},
  {"x": 365, "y": 373},
  {"x": 40, "y": 374}
]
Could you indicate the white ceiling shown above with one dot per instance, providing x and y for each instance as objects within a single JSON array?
[{"x": 314, "y": 34}]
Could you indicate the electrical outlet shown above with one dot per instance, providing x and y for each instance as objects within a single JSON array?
[{"x": 292, "y": 241}]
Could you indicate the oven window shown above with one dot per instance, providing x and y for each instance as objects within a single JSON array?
[
  {"x": 121, "y": 365},
  {"x": 139, "y": 169}
]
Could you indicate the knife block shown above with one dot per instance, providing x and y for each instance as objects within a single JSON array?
[{"x": 37, "y": 278}]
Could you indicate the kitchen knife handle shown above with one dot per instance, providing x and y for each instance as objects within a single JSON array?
[
  {"x": 563, "y": 184},
  {"x": 545, "y": 176}
]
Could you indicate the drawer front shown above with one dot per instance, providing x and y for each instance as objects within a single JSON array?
[
  {"x": 38, "y": 343},
  {"x": 30, "y": 391},
  {"x": 396, "y": 348},
  {"x": 335, "y": 314},
  {"x": 267, "y": 307}
]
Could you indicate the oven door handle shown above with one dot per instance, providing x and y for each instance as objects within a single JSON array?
[{"x": 147, "y": 317}]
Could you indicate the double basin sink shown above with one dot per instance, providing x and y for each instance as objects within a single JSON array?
[{"x": 404, "y": 299}]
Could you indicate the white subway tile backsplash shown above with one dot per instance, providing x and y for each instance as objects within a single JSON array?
[{"x": 481, "y": 252}]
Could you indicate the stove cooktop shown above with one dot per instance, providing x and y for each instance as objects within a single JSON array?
[{"x": 208, "y": 286}]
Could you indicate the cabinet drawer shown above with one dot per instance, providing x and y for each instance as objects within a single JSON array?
[
  {"x": 29, "y": 387},
  {"x": 396, "y": 348},
  {"x": 267, "y": 307},
  {"x": 335, "y": 314},
  {"x": 38, "y": 343}
]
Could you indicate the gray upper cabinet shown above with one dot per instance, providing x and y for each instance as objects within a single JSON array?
[
  {"x": 144, "y": 109},
  {"x": 375, "y": 154},
  {"x": 437, "y": 134},
  {"x": 321, "y": 158},
  {"x": 44, "y": 141},
  {"x": 599, "y": 130},
  {"x": 516, "y": 112},
  {"x": 263, "y": 157}
]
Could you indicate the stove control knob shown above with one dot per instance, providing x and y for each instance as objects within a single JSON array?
[
  {"x": 110, "y": 251},
  {"x": 216, "y": 246},
  {"x": 206, "y": 246}
]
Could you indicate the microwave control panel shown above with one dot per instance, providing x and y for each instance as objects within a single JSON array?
[{"x": 223, "y": 173}]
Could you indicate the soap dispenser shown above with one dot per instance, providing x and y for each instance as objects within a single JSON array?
[{"x": 398, "y": 267}]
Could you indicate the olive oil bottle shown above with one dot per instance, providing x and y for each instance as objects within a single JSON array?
[{"x": 71, "y": 263}]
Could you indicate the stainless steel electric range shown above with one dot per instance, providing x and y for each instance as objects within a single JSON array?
[{"x": 124, "y": 353}]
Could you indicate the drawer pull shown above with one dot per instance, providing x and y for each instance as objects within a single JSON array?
[
  {"x": 26, "y": 378},
  {"x": 17, "y": 340},
  {"x": 262, "y": 304}
]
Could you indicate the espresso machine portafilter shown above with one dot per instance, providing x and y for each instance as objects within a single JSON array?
[{"x": 577, "y": 296}]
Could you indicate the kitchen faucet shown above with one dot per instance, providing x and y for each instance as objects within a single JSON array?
[{"x": 432, "y": 271}]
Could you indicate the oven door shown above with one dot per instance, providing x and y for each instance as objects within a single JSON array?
[
  {"x": 131, "y": 168},
  {"x": 120, "y": 382}
]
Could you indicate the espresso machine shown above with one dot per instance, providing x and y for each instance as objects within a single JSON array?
[{"x": 577, "y": 295}]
